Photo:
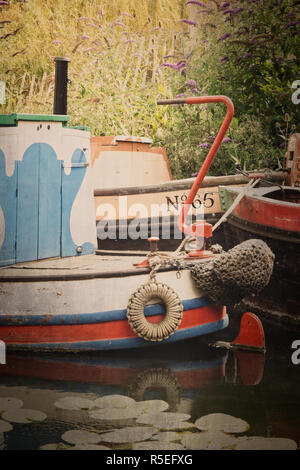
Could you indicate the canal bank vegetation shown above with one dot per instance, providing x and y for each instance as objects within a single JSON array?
[{"x": 126, "y": 55}]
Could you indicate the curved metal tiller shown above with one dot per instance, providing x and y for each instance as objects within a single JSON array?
[{"x": 192, "y": 229}]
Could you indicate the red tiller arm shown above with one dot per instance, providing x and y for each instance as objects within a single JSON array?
[{"x": 211, "y": 154}]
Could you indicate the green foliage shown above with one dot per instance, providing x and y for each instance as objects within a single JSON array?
[{"x": 126, "y": 55}]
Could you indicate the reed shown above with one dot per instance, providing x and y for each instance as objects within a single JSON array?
[{"x": 116, "y": 50}]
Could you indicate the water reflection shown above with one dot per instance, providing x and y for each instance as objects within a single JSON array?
[{"x": 156, "y": 399}]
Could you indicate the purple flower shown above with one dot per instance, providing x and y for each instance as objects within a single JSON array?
[
  {"x": 191, "y": 83},
  {"x": 119, "y": 23},
  {"x": 225, "y": 58},
  {"x": 181, "y": 95},
  {"x": 85, "y": 36},
  {"x": 204, "y": 145},
  {"x": 172, "y": 66},
  {"x": 246, "y": 56},
  {"x": 225, "y": 36},
  {"x": 279, "y": 60},
  {"x": 190, "y": 22},
  {"x": 194, "y": 90},
  {"x": 194, "y": 174},
  {"x": 225, "y": 4},
  {"x": 238, "y": 10},
  {"x": 180, "y": 65},
  {"x": 3, "y": 3},
  {"x": 195, "y": 2},
  {"x": 290, "y": 24},
  {"x": 228, "y": 11},
  {"x": 56, "y": 42},
  {"x": 226, "y": 140},
  {"x": 82, "y": 18}
]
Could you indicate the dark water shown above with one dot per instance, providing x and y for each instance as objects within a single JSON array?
[{"x": 192, "y": 377}]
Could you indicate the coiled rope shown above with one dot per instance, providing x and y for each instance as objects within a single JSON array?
[{"x": 138, "y": 300}]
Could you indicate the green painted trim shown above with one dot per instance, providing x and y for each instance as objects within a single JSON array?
[
  {"x": 80, "y": 128},
  {"x": 227, "y": 196},
  {"x": 12, "y": 119}
]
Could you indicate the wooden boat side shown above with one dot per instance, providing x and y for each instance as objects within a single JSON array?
[{"x": 54, "y": 315}]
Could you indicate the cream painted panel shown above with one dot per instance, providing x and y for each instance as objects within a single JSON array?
[
  {"x": 83, "y": 221},
  {"x": 121, "y": 169},
  {"x": 85, "y": 296},
  {"x": 9, "y": 144}
]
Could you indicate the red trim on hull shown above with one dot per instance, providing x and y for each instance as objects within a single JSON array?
[
  {"x": 100, "y": 331},
  {"x": 269, "y": 213}
]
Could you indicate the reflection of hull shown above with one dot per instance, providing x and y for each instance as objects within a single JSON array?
[
  {"x": 192, "y": 374},
  {"x": 72, "y": 305}
]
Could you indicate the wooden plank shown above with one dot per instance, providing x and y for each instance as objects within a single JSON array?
[
  {"x": 49, "y": 203},
  {"x": 176, "y": 185},
  {"x": 27, "y": 205},
  {"x": 8, "y": 210}
]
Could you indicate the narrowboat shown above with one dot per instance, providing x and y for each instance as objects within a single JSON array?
[
  {"x": 132, "y": 180},
  {"x": 57, "y": 293}
]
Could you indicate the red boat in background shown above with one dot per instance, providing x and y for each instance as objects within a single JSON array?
[{"x": 273, "y": 215}]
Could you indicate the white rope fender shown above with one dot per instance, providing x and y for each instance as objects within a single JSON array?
[{"x": 136, "y": 315}]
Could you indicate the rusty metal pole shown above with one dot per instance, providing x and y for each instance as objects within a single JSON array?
[{"x": 61, "y": 82}]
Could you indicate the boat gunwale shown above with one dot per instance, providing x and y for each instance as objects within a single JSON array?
[
  {"x": 175, "y": 185},
  {"x": 265, "y": 199}
]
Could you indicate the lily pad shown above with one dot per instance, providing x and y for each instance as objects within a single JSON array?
[
  {"x": 114, "y": 414},
  {"x": 151, "y": 406},
  {"x": 216, "y": 440},
  {"x": 154, "y": 445},
  {"x": 114, "y": 401},
  {"x": 265, "y": 443},
  {"x": 22, "y": 415},
  {"x": 55, "y": 446},
  {"x": 74, "y": 403},
  {"x": 90, "y": 447},
  {"x": 221, "y": 422},
  {"x": 5, "y": 426},
  {"x": 166, "y": 420},
  {"x": 10, "y": 403},
  {"x": 77, "y": 436},
  {"x": 167, "y": 436},
  {"x": 129, "y": 434}
]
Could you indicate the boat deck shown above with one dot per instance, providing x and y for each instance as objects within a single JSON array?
[{"x": 98, "y": 265}]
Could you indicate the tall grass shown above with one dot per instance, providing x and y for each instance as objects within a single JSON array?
[{"x": 115, "y": 51}]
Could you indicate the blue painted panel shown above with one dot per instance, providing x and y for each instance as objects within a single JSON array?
[
  {"x": 95, "y": 317},
  {"x": 8, "y": 204},
  {"x": 49, "y": 230},
  {"x": 70, "y": 186},
  {"x": 27, "y": 205}
]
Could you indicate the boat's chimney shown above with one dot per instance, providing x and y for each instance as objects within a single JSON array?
[{"x": 61, "y": 82}]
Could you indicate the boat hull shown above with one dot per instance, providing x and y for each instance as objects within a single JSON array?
[
  {"x": 276, "y": 222},
  {"x": 85, "y": 309},
  {"x": 261, "y": 214}
]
